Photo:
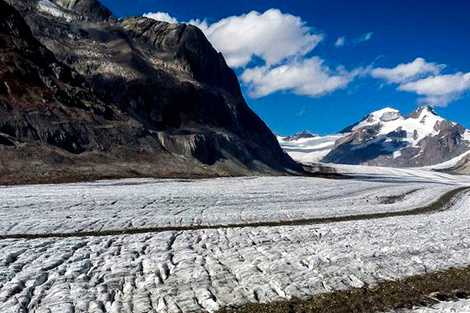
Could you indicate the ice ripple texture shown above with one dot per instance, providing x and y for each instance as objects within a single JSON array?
[{"x": 189, "y": 271}]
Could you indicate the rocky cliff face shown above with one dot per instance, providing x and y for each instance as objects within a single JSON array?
[
  {"x": 39, "y": 95},
  {"x": 88, "y": 10},
  {"x": 151, "y": 98}
]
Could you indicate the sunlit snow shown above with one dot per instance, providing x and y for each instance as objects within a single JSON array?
[{"x": 188, "y": 271}]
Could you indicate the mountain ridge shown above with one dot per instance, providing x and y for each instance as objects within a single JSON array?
[
  {"x": 164, "y": 114},
  {"x": 388, "y": 138}
]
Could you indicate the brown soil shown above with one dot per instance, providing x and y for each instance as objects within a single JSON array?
[
  {"x": 420, "y": 290},
  {"x": 40, "y": 164}
]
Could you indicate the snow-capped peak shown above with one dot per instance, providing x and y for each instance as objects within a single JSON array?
[
  {"x": 386, "y": 110},
  {"x": 421, "y": 123},
  {"x": 384, "y": 115},
  {"x": 386, "y": 137}
]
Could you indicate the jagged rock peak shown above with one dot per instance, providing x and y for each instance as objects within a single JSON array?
[
  {"x": 300, "y": 135},
  {"x": 163, "y": 36},
  {"x": 90, "y": 10},
  {"x": 426, "y": 109}
]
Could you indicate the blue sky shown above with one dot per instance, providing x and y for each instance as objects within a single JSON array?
[{"x": 297, "y": 73}]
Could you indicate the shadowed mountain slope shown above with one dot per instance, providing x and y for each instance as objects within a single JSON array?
[{"x": 84, "y": 95}]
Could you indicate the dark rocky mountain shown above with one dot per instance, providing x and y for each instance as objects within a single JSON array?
[
  {"x": 88, "y": 10},
  {"x": 299, "y": 135},
  {"x": 84, "y": 95},
  {"x": 386, "y": 138}
]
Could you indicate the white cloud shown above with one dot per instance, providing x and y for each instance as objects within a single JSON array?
[
  {"x": 425, "y": 79},
  {"x": 273, "y": 36},
  {"x": 162, "y": 17},
  {"x": 340, "y": 42},
  {"x": 407, "y": 72},
  {"x": 309, "y": 77},
  {"x": 364, "y": 37},
  {"x": 439, "y": 90}
]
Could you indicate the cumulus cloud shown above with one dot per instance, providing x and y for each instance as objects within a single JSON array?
[
  {"x": 439, "y": 90},
  {"x": 406, "y": 72},
  {"x": 273, "y": 36},
  {"x": 162, "y": 17},
  {"x": 309, "y": 77},
  {"x": 340, "y": 42},
  {"x": 426, "y": 79},
  {"x": 364, "y": 37}
]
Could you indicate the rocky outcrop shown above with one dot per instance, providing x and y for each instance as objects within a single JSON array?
[
  {"x": 88, "y": 10},
  {"x": 300, "y": 135},
  {"x": 187, "y": 45},
  {"x": 461, "y": 167},
  {"x": 40, "y": 94},
  {"x": 52, "y": 125}
]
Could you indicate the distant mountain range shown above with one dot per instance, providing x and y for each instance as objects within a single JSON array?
[
  {"x": 85, "y": 95},
  {"x": 386, "y": 138}
]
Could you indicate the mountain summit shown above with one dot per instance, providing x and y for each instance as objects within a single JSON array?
[
  {"x": 388, "y": 138},
  {"x": 300, "y": 135}
]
